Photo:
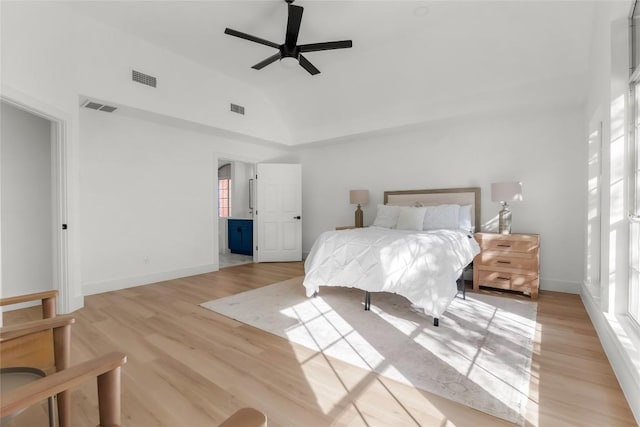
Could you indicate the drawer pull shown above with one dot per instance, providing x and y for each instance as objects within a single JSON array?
[
  {"x": 503, "y": 262},
  {"x": 502, "y": 245},
  {"x": 502, "y": 278}
]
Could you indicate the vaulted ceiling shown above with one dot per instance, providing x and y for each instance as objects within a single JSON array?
[{"x": 411, "y": 61}]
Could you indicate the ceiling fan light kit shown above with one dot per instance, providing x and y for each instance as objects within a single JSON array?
[{"x": 290, "y": 48}]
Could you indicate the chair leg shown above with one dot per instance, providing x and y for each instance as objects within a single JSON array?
[
  {"x": 62, "y": 350},
  {"x": 64, "y": 408},
  {"x": 52, "y": 415},
  {"x": 109, "y": 397}
]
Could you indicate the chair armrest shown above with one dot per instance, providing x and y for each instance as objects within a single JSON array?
[
  {"x": 22, "y": 397},
  {"x": 29, "y": 297},
  {"x": 15, "y": 331},
  {"x": 48, "y": 301}
]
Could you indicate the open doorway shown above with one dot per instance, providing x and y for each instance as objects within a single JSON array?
[
  {"x": 235, "y": 212},
  {"x": 33, "y": 246}
]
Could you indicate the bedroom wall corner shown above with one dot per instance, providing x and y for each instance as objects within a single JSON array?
[{"x": 560, "y": 286}]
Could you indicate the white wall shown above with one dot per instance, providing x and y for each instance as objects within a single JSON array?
[
  {"x": 543, "y": 149},
  {"x": 148, "y": 200},
  {"x": 27, "y": 208}
]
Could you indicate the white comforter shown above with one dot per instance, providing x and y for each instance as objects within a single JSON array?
[{"x": 422, "y": 266}]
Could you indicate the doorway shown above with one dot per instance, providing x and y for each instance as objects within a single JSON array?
[
  {"x": 235, "y": 212},
  {"x": 33, "y": 247}
]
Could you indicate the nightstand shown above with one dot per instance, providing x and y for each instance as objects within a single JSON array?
[{"x": 508, "y": 261}]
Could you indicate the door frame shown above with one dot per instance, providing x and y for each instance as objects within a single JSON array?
[{"x": 59, "y": 171}]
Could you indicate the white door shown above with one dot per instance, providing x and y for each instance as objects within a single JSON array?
[{"x": 277, "y": 220}]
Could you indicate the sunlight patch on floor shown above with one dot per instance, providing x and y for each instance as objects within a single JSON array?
[{"x": 322, "y": 328}]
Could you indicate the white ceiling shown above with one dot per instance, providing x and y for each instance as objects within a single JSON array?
[{"x": 411, "y": 61}]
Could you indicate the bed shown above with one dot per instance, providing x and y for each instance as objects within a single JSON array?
[{"x": 418, "y": 246}]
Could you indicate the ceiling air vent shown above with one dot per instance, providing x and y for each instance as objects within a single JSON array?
[
  {"x": 100, "y": 107},
  {"x": 143, "y": 78},
  {"x": 237, "y": 109}
]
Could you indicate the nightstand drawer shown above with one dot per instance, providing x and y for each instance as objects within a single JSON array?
[
  {"x": 504, "y": 260},
  {"x": 517, "y": 244},
  {"x": 504, "y": 280}
]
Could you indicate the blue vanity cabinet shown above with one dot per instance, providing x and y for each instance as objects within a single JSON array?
[{"x": 240, "y": 236}]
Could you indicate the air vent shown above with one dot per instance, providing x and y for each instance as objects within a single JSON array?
[
  {"x": 144, "y": 79},
  {"x": 93, "y": 105},
  {"x": 108, "y": 108},
  {"x": 100, "y": 107},
  {"x": 237, "y": 109}
]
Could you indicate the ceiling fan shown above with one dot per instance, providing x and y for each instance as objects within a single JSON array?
[{"x": 290, "y": 48}]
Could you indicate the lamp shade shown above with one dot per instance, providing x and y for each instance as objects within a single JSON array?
[
  {"x": 359, "y": 197},
  {"x": 506, "y": 191}
]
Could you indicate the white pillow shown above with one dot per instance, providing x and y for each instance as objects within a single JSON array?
[
  {"x": 441, "y": 216},
  {"x": 410, "y": 218},
  {"x": 386, "y": 216},
  {"x": 464, "y": 218}
]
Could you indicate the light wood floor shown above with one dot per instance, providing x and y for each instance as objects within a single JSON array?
[{"x": 190, "y": 367}]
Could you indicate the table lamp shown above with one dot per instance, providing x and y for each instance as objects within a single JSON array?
[
  {"x": 359, "y": 197},
  {"x": 505, "y": 192}
]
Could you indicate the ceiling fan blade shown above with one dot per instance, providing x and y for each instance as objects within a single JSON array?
[
  {"x": 293, "y": 25},
  {"x": 314, "y": 47},
  {"x": 250, "y": 38},
  {"x": 304, "y": 62},
  {"x": 260, "y": 65}
]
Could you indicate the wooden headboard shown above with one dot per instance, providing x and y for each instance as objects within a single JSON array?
[{"x": 441, "y": 196}]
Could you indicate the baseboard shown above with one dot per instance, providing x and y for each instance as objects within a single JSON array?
[
  {"x": 129, "y": 282},
  {"x": 620, "y": 358},
  {"x": 560, "y": 286}
]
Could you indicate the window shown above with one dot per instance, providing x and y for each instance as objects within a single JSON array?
[
  {"x": 224, "y": 191},
  {"x": 634, "y": 190},
  {"x": 634, "y": 215},
  {"x": 594, "y": 217},
  {"x": 224, "y": 197}
]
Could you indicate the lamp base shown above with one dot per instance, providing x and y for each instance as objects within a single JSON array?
[
  {"x": 504, "y": 220},
  {"x": 359, "y": 218}
]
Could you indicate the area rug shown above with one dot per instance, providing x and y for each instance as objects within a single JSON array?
[{"x": 479, "y": 356}]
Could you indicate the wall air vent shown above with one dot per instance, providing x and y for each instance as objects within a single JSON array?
[
  {"x": 237, "y": 109},
  {"x": 92, "y": 105},
  {"x": 97, "y": 106},
  {"x": 143, "y": 78}
]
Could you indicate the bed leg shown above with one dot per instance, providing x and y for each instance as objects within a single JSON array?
[
  {"x": 315, "y": 294},
  {"x": 436, "y": 321},
  {"x": 460, "y": 283},
  {"x": 367, "y": 301}
]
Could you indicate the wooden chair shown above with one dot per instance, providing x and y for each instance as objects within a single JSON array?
[
  {"x": 45, "y": 344},
  {"x": 35, "y": 352},
  {"x": 246, "y": 417}
]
